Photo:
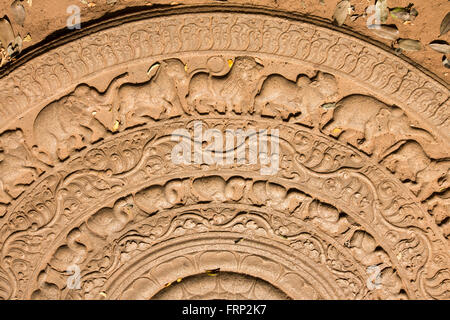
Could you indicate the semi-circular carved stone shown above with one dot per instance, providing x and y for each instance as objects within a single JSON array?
[{"x": 352, "y": 204}]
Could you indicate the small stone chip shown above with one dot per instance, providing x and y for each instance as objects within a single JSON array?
[{"x": 259, "y": 61}]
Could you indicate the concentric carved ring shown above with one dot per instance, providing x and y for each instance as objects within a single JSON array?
[{"x": 355, "y": 204}]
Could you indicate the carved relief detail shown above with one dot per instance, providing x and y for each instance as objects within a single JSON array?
[
  {"x": 308, "y": 164},
  {"x": 361, "y": 183},
  {"x": 253, "y": 33}
]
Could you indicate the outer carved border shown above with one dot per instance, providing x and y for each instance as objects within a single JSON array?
[{"x": 42, "y": 74}]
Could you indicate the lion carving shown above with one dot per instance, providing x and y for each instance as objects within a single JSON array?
[
  {"x": 224, "y": 94},
  {"x": 156, "y": 98}
]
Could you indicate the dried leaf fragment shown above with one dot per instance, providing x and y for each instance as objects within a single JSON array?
[
  {"x": 413, "y": 13},
  {"x": 18, "y": 44},
  {"x": 445, "y": 62},
  {"x": 440, "y": 46},
  {"x": 341, "y": 12},
  {"x": 3, "y": 57},
  {"x": 409, "y": 44},
  {"x": 381, "y": 10},
  {"x": 18, "y": 12},
  {"x": 213, "y": 272},
  {"x": 27, "y": 38},
  {"x": 400, "y": 13},
  {"x": 153, "y": 69},
  {"x": 259, "y": 61},
  {"x": 355, "y": 17},
  {"x": 385, "y": 31},
  {"x": 329, "y": 105},
  {"x": 351, "y": 10},
  {"x": 6, "y": 33},
  {"x": 445, "y": 24},
  {"x": 407, "y": 14},
  {"x": 10, "y": 50}
]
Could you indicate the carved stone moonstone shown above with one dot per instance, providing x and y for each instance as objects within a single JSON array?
[{"x": 93, "y": 205}]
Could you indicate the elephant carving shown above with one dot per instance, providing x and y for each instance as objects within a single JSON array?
[
  {"x": 69, "y": 123},
  {"x": 283, "y": 99},
  {"x": 154, "y": 99},
  {"x": 18, "y": 167},
  {"x": 421, "y": 174},
  {"x": 372, "y": 126},
  {"x": 224, "y": 94}
]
